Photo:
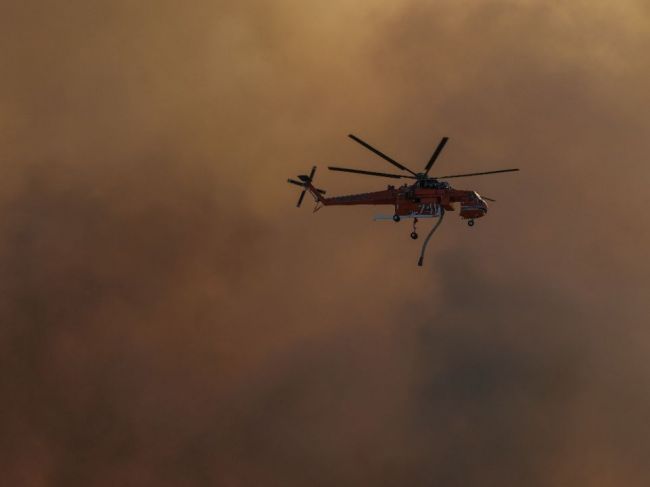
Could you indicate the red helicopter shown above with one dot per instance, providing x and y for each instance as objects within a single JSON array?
[{"x": 427, "y": 197}]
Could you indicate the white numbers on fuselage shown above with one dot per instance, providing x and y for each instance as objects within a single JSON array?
[{"x": 429, "y": 209}]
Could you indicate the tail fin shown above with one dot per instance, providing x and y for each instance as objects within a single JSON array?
[{"x": 306, "y": 183}]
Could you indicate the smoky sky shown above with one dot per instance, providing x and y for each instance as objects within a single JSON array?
[{"x": 168, "y": 317}]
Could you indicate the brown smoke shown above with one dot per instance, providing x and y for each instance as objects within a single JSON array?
[{"x": 168, "y": 317}]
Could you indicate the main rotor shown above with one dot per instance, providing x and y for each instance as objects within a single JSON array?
[{"x": 420, "y": 176}]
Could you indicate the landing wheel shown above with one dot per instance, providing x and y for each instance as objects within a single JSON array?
[
  {"x": 470, "y": 223},
  {"x": 414, "y": 235},
  {"x": 396, "y": 218}
]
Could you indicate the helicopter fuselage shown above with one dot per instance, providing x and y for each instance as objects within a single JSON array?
[{"x": 416, "y": 201}]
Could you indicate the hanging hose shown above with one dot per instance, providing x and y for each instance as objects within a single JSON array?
[{"x": 426, "y": 241}]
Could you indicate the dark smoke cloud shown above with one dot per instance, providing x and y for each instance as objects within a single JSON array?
[{"x": 167, "y": 317}]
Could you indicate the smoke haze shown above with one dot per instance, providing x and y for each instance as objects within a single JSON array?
[{"x": 168, "y": 317}]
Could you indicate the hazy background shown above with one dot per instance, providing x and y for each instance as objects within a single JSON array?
[{"x": 168, "y": 317}]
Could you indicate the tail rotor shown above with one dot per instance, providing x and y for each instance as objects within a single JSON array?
[{"x": 305, "y": 184}]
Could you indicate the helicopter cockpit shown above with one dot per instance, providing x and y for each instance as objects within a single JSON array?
[{"x": 476, "y": 196}]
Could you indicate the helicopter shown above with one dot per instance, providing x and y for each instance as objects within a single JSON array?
[{"x": 426, "y": 197}]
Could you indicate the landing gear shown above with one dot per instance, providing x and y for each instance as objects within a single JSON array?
[
  {"x": 414, "y": 235},
  {"x": 396, "y": 218},
  {"x": 470, "y": 223}
]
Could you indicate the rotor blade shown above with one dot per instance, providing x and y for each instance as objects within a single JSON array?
[
  {"x": 369, "y": 173},
  {"x": 297, "y": 183},
  {"x": 475, "y": 174},
  {"x": 435, "y": 155},
  {"x": 311, "y": 174},
  {"x": 489, "y": 199},
  {"x": 321, "y": 191},
  {"x": 302, "y": 195},
  {"x": 380, "y": 154}
]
